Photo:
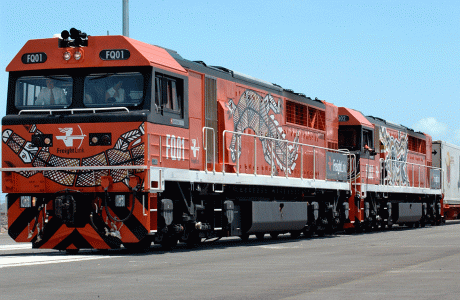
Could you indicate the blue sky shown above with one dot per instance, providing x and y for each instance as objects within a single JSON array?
[{"x": 397, "y": 60}]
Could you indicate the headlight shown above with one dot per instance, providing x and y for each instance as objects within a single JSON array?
[
  {"x": 77, "y": 55},
  {"x": 120, "y": 201},
  {"x": 67, "y": 55}
]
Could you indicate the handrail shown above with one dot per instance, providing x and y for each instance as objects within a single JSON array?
[
  {"x": 79, "y": 168},
  {"x": 272, "y": 163},
  {"x": 205, "y": 147},
  {"x": 72, "y": 110},
  {"x": 352, "y": 158},
  {"x": 405, "y": 163}
]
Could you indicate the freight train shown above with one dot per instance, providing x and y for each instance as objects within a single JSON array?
[{"x": 109, "y": 141}]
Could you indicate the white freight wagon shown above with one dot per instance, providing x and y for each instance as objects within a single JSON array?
[{"x": 447, "y": 157}]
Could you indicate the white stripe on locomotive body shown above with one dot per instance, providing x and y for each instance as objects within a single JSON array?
[
  {"x": 183, "y": 175},
  {"x": 377, "y": 188}
]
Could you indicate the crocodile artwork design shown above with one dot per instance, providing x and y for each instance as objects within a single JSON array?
[
  {"x": 128, "y": 150},
  {"x": 258, "y": 114}
]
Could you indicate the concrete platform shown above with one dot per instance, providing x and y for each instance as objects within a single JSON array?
[{"x": 401, "y": 263}]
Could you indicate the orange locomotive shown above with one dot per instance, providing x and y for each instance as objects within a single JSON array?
[
  {"x": 394, "y": 181},
  {"x": 110, "y": 141}
]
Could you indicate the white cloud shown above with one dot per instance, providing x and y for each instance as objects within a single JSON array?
[{"x": 431, "y": 126}]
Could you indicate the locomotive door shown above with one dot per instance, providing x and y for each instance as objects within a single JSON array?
[{"x": 212, "y": 136}]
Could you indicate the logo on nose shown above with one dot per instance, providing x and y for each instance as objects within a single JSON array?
[{"x": 68, "y": 138}]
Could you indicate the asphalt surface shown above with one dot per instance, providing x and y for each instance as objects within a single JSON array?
[{"x": 401, "y": 263}]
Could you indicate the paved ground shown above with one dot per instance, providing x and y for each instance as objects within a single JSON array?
[{"x": 398, "y": 264}]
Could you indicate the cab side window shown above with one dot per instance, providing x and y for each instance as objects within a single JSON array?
[
  {"x": 169, "y": 93},
  {"x": 368, "y": 138}
]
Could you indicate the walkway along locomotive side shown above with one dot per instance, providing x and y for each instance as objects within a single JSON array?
[{"x": 110, "y": 141}]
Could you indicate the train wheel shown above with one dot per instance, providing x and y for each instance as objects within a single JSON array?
[
  {"x": 166, "y": 238},
  {"x": 350, "y": 230},
  {"x": 359, "y": 228},
  {"x": 191, "y": 237},
  {"x": 260, "y": 236},
  {"x": 321, "y": 232},
  {"x": 307, "y": 233},
  {"x": 274, "y": 235},
  {"x": 141, "y": 246},
  {"x": 295, "y": 234},
  {"x": 168, "y": 242},
  {"x": 244, "y": 237}
]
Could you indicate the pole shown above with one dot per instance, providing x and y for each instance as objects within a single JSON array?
[{"x": 126, "y": 18}]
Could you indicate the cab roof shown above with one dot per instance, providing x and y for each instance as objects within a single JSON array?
[
  {"x": 140, "y": 54},
  {"x": 354, "y": 117}
]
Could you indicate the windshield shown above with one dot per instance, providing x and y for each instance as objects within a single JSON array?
[
  {"x": 43, "y": 92},
  {"x": 113, "y": 89},
  {"x": 98, "y": 90}
]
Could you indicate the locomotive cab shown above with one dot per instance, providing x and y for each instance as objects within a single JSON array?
[
  {"x": 74, "y": 155},
  {"x": 356, "y": 133}
]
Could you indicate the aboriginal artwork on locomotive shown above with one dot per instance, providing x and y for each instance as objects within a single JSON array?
[
  {"x": 128, "y": 150},
  {"x": 258, "y": 114},
  {"x": 396, "y": 151}
]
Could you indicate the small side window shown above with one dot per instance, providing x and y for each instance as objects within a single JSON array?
[
  {"x": 367, "y": 138},
  {"x": 158, "y": 93},
  {"x": 169, "y": 94}
]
